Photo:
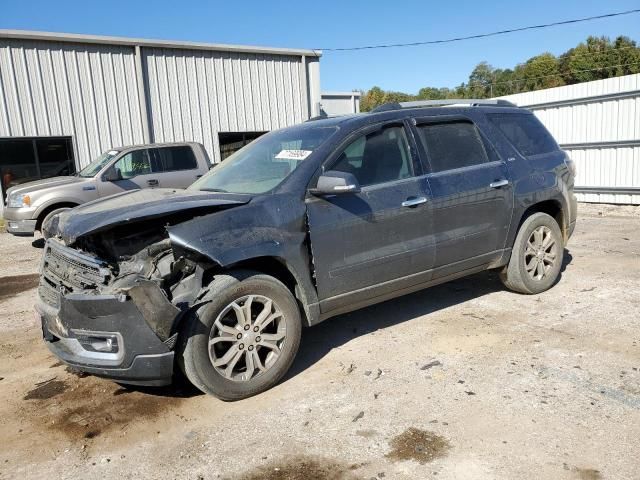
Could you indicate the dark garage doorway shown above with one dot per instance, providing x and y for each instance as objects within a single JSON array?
[
  {"x": 31, "y": 158},
  {"x": 231, "y": 142}
]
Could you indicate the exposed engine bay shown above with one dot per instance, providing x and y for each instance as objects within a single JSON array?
[{"x": 160, "y": 286}]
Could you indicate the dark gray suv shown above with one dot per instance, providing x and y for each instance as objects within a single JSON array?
[{"x": 303, "y": 224}]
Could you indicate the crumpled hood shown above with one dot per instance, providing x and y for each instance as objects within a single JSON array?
[
  {"x": 30, "y": 187},
  {"x": 136, "y": 205}
]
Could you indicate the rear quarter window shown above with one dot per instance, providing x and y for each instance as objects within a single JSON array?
[{"x": 525, "y": 132}]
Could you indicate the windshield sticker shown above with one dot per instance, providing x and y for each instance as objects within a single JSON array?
[
  {"x": 112, "y": 152},
  {"x": 294, "y": 154}
]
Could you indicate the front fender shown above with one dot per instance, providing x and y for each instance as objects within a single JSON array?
[
  {"x": 56, "y": 201},
  {"x": 273, "y": 227}
]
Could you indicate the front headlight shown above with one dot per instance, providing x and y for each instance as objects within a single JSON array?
[{"x": 19, "y": 201}]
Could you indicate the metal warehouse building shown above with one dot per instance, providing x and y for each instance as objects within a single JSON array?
[{"x": 64, "y": 99}]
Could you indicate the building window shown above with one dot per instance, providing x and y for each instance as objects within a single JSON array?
[
  {"x": 231, "y": 142},
  {"x": 26, "y": 159}
]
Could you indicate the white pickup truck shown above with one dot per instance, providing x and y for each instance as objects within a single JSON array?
[{"x": 167, "y": 165}]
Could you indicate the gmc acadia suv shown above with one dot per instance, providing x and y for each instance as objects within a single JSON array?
[{"x": 303, "y": 224}]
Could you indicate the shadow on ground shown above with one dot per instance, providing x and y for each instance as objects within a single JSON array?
[
  {"x": 180, "y": 388},
  {"x": 38, "y": 243},
  {"x": 321, "y": 339}
]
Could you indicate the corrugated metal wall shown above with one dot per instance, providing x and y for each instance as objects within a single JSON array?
[
  {"x": 88, "y": 92},
  {"x": 598, "y": 123},
  {"x": 193, "y": 95}
]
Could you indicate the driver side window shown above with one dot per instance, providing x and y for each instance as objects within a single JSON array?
[
  {"x": 133, "y": 164},
  {"x": 378, "y": 157}
]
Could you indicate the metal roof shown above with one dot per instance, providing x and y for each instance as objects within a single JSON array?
[{"x": 108, "y": 40}]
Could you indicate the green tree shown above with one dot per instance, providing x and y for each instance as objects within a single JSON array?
[
  {"x": 430, "y": 93},
  {"x": 593, "y": 59},
  {"x": 504, "y": 83},
  {"x": 481, "y": 80},
  {"x": 371, "y": 99},
  {"x": 627, "y": 54},
  {"x": 541, "y": 72},
  {"x": 586, "y": 62}
]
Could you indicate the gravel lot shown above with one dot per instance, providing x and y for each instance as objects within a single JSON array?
[{"x": 462, "y": 381}]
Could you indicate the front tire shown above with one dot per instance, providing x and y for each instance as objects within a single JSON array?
[
  {"x": 243, "y": 337},
  {"x": 536, "y": 257}
]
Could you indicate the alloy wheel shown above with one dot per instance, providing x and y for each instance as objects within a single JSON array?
[
  {"x": 247, "y": 338},
  {"x": 541, "y": 253}
]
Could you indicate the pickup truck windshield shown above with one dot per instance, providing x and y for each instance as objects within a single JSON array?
[
  {"x": 266, "y": 162},
  {"x": 98, "y": 164}
]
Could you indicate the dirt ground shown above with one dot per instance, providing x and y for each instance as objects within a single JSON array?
[{"x": 462, "y": 381}]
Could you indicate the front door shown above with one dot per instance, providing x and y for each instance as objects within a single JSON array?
[
  {"x": 471, "y": 191},
  {"x": 373, "y": 239},
  {"x": 135, "y": 173}
]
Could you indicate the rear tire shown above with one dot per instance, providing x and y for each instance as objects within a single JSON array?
[
  {"x": 243, "y": 337},
  {"x": 536, "y": 257}
]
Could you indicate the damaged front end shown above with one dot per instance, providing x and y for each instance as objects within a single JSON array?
[
  {"x": 110, "y": 301},
  {"x": 114, "y": 320}
]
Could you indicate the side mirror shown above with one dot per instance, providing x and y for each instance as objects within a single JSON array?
[
  {"x": 112, "y": 175},
  {"x": 336, "y": 183}
]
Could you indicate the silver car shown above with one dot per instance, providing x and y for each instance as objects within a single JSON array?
[{"x": 168, "y": 165}]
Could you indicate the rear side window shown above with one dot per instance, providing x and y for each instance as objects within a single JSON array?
[
  {"x": 170, "y": 159},
  {"x": 525, "y": 132},
  {"x": 452, "y": 145}
]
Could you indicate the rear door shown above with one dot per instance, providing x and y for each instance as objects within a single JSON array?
[
  {"x": 382, "y": 234},
  {"x": 175, "y": 166},
  {"x": 472, "y": 195}
]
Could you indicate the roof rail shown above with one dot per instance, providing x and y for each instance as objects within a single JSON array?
[{"x": 471, "y": 102}]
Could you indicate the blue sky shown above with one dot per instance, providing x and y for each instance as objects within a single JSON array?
[{"x": 333, "y": 23}]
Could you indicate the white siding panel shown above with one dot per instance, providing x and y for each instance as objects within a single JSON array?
[
  {"x": 193, "y": 96},
  {"x": 66, "y": 89}
]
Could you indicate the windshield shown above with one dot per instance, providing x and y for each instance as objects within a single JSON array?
[
  {"x": 98, "y": 164},
  {"x": 266, "y": 162}
]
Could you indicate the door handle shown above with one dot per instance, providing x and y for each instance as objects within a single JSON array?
[
  {"x": 414, "y": 202},
  {"x": 499, "y": 183},
  {"x": 153, "y": 183}
]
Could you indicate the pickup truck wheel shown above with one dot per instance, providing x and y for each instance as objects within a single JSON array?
[
  {"x": 536, "y": 257},
  {"x": 243, "y": 338}
]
